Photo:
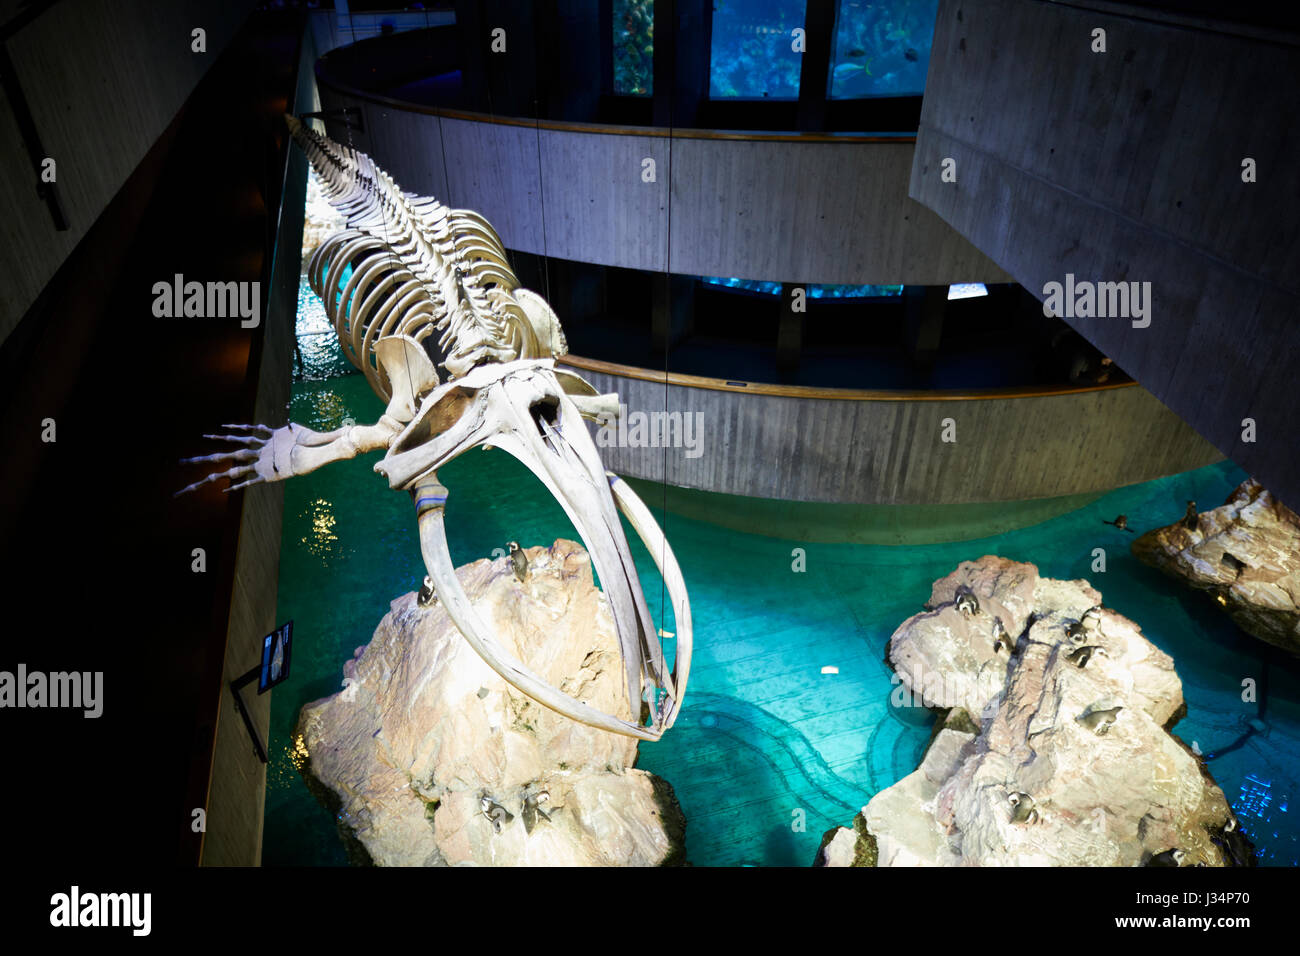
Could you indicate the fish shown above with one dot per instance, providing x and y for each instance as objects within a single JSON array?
[
  {"x": 911, "y": 54},
  {"x": 857, "y": 51},
  {"x": 845, "y": 70}
]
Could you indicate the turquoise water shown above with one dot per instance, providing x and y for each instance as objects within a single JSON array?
[{"x": 769, "y": 752}]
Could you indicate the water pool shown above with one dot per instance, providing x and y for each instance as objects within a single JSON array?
[{"x": 766, "y": 741}]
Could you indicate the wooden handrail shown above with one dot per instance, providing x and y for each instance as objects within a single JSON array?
[
  {"x": 840, "y": 394},
  {"x": 660, "y": 132}
]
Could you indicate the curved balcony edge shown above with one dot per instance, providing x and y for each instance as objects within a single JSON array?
[{"x": 877, "y": 447}]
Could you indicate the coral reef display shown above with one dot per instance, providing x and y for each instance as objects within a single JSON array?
[
  {"x": 752, "y": 52},
  {"x": 880, "y": 49},
  {"x": 427, "y": 757},
  {"x": 634, "y": 47},
  {"x": 1055, "y": 748},
  {"x": 1245, "y": 554}
]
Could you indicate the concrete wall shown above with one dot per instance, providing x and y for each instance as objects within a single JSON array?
[
  {"x": 1126, "y": 166},
  {"x": 757, "y": 206},
  {"x": 879, "y": 450},
  {"x": 103, "y": 79}
]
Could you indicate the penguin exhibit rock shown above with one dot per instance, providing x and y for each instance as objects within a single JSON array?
[
  {"x": 466, "y": 770},
  {"x": 1245, "y": 554},
  {"x": 1043, "y": 759}
]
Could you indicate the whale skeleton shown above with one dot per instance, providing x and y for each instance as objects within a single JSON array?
[{"x": 425, "y": 303}]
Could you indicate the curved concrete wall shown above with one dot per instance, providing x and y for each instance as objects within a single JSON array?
[
  {"x": 874, "y": 448},
  {"x": 783, "y": 207},
  {"x": 1127, "y": 166}
]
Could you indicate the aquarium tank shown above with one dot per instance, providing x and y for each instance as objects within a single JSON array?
[
  {"x": 815, "y": 290},
  {"x": 753, "y": 52},
  {"x": 634, "y": 47},
  {"x": 881, "y": 49}
]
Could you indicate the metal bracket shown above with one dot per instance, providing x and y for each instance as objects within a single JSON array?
[{"x": 236, "y": 686}]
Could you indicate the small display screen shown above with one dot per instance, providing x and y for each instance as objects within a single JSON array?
[{"x": 275, "y": 657}]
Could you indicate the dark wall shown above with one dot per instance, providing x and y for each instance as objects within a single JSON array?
[
  {"x": 107, "y": 579},
  {"x": 101, "y": 80}
]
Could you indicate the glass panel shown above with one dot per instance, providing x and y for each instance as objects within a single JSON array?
[
  {"x": 634, "y": 47},
  {"x": 752, "y": 53},
  {"x": 749, "y": 285},
  {"x": 815, "y": 290},
  {"x": 852, "y": 291},
  {"x": 882, "y": 47}
]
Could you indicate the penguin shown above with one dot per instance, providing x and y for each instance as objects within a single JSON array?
[
  {"x": 1091, "y": 618},
  {"x": 1099, "y": 721},
  {"x": 1171, "y": 857},
  {"x": 426, "y": 596},
  {"x": 518, "y": 559},
  {"x": 1077, "y": 633},
  {"x": 1189, "y": 517},
  {"x": 966, "y": 601},
  {"x": 1023, "y": 810},
  {"x": 1080, "y": 656},
  {"x": 1001, "y": 639},
  {"x": 533, "y": 809},
  {"x": 1121, "y": 522},
  {"x": 498, "y": 814},
  {"x": 1236, "y": 847}
]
